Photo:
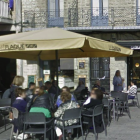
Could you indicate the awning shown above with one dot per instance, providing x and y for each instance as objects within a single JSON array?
[{"x": 44, "y": 43}]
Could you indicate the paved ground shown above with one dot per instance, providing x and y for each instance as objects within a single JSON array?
[{"x": 124, "y": 129}]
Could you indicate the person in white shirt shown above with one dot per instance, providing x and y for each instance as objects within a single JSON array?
[{"x": 132, "y": 90}]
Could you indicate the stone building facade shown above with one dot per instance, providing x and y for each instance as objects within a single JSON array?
[{"x": 77, "y": 13}]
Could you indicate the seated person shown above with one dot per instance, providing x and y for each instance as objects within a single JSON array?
[
  {"x": 35, "y": 93},
  {"x": 29, "y": 92},
  {"x": 95, "y": 99},
  {"x": 132, "y": 90},
  {"x": 80, "y": 87},
  {"x": 42, "y": 103},
  {"x": 20, "y": 105},
  {"x": 59, "y": 101},
  {"x": 50, "y": 88},
  {"x": 54, "y": 84},
  {"x": 98, "y": 86},
  {"x": 67, "y": 104}
]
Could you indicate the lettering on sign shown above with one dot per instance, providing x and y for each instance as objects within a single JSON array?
[
  {"x": 17, "y": 46},
  {"x": 135, "y": 47},
  {"x": 115, "y": 48}
]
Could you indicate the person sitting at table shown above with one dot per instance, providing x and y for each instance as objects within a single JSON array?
[
  {"x": 95, "y": 99},
  {"x": 42, "y": 103},
  {"x": 132, "y": 90},
  {"x": 67, "y": 104},
  {"x": 80, "y": 87},
  {"x": 59, "y": 101},
  {"x": 20, "y": 105},
  {"x": 98, "y": 85}
]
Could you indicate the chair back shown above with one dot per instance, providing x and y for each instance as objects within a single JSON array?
[
  {"x": 105, "y": 101},
  {"x": 34, "y": 118},
  {"x": 5, "y": 102},
  {"x": 15, "y": 113},
  {"x": 6, "y": 94},
  {"x": 71, "y": 114},
  {"x": 115, "y": 94},
  {"x": 123, "y": 97},
  {"x": 98, "y": 110}
]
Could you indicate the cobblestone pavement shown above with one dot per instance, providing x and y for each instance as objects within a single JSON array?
[{"x": 123, "y": 129}]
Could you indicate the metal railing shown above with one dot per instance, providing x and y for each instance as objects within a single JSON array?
[
  {"x": 82, "y": 17},
  {"x": 4, "y": 10}
]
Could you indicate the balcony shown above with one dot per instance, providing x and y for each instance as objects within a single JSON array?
[
  {"x": 5, "y": 16},
  {"x": 83, "y": 19}
]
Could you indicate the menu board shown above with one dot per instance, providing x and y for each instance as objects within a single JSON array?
[{"x": 31, "y": 78}]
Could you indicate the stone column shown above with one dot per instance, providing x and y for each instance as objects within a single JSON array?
[
  {"x": 118, "y": 63},
  {"x": 82, "y": 72}
]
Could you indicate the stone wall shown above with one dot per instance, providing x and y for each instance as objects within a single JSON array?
[
  {"x": 118, "y": 63},
  {"x": 122, "y": 12},
  {"x": 77, "y": 13},
  {"x": 81, "y": 73},
  {"x": 25, "y": 68},
  {"x": 34, "y": 11}
]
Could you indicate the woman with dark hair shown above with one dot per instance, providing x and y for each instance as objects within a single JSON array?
[
  {"x": 117, "y": 81},
  {"x": 132, "y": 90},
  {"x": 95, "y": 99}
]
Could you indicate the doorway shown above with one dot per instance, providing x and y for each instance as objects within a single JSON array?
[{"x": 100, "y": 68}]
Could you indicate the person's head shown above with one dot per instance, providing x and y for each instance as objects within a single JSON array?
[
  {"x": 96, "y": 94},
  {"x": 133, "y": 82},
  {"x": 118, "y": 73},
  {"x": 48, "y": 84},
  {"x": 18, "y": 80},
  {"x": 81, "y": 83},
  {"x": 36, "y": 90},
  {"x": 65, "y": 88},
  {"x": 19, "y": 92},
  {"x": 65, "y": 96},
  {"x": 97, "y": 82},
  {"x": 31, "y": 85},
  {"x": 43, "y": 87},
  {"x": 41, "y": 92}
]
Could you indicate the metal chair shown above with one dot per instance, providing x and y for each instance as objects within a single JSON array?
[
  {"x": 71, "y": 114},
  {"x": 4, "y": 103},
  {"x": 115, "y": 94},
  {"x": 36, "y": 119},
  {"x": 98, "y": 110},
  {"x": 107, "y": 106},
  {"x": 122, "y": 104},
  {"x": 137, "y": 100},
  {"x": 15, "y": 116}
]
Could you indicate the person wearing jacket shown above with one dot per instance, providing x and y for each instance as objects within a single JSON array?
[
  {"x": 95, "y": 99},
  {"x": 41, "y": 102},
  {"x": 67, "y": 104},
  {"x": 29, "y": 92},
  {"x": 17, "y": 82}
]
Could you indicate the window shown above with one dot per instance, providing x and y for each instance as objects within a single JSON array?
[
  {"x": 56, "y": 8},
  {"x": 99, "y": 7}
]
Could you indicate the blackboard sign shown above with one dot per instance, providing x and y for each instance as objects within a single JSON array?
[
  {"x": 81, "y": 65},
  {"x": 31, "y": 78}
]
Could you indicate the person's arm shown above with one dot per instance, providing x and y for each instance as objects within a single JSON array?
[{"x": 115, "y": 83}]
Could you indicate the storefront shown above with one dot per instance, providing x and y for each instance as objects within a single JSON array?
[{"x": 133, "y": 62}]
